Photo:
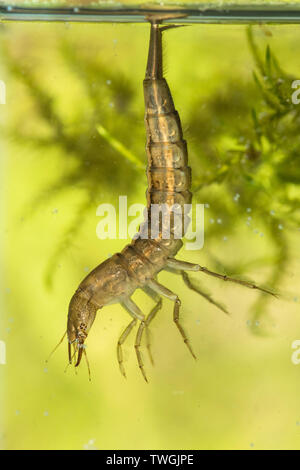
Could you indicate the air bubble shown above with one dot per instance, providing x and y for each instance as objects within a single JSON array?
[
  {"x": 280, "y": 226},
  {"x": 219, "y": 221},
  {"x": 211, "y": 221},
  {"x": 236, "y": 197},
  {"x": 248, "y": 209}
]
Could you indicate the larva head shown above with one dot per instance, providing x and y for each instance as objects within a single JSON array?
[{"x": 81, "y": 316}]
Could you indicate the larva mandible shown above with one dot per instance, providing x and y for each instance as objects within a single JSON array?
[{"x": 137, "y": 266}]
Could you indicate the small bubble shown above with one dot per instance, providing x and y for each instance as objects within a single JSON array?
[
  {"x": 249, "y": 323},
  {"x": 111, "y": 105},
  {"x": 272, "y": 212},
  {"x": 46, "y": 370},
  {"x": 211, "y": 221},
  {"x": 219, "y": 221},
  {"x": 86, "y": 268},
  {"x": 9, "y": 8},
  {"x": 76, "y": 10},
  {"x": 280, "y": 226},
  {"x": 108, "y": 82},
  {"x": 225, "y": 239},
  {"x": 55, "y": 211},
  {"x": 236, "y": 197},
  {"x": 251, "y": 444},
  {"x": 296, "y": 299},
  {"x": 256, "y": 231},
  {"x": 197, "y": 322},
  {"x": 249, "y": 218},
  {"x": 206, "y": 205},
  {"x": 249, "y": 209},
  {"x": 257, "y": 323},
  {"x": 298, "y": 423},
  {"x": 46, "y": 413},
  {"x": 261, "y": 234}
]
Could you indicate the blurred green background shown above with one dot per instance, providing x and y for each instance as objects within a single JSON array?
[{"x": 63, "y": 81}]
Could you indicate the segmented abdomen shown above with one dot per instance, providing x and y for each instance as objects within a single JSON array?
[{"x": 169, "y": 181}]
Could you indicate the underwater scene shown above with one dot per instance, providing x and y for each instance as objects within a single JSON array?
[{"x": 76, "y": 161}]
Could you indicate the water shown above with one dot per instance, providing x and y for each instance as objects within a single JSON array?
[
  {"x": 72, "y": 138},
  {"x": 208, "y": 12}
]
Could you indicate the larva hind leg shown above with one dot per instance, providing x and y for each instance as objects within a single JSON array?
[
  {"x": 203, "y": 294},
  {"x": 184, "y": 266},
  {"x": 197, "y": 289},
  {"x": 161, "y": 290}
]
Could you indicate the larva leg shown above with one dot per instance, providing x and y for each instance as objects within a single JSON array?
[
  {"x": 134, "y": 310},
  {"x": 161, "y": 290},
  {"x": 122, "y": 339},
  {"x": 184, "y": 266},
  {"x": 151, "y": 316},
  {"x": 206, "y": 296},
  {"x": 137, "y": 346},
  {"x": 191, "y": 286}
]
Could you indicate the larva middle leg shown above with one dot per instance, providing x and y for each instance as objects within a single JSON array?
[
  {"x": 151, "y": 316},
  {"x": 162, "y": 290},
  {"x": 121, "y": 341},
  {"x": 144, "y": 326}
]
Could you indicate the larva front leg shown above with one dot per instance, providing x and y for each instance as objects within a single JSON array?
[{"x": 162, "y": 290}]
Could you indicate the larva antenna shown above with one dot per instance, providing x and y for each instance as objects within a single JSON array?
[{"x": 56, "y": 347}]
